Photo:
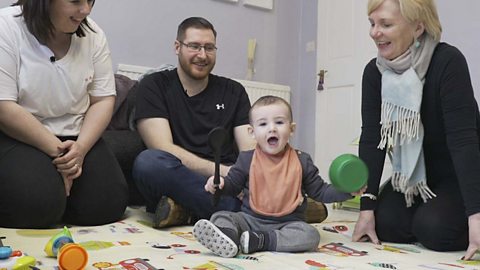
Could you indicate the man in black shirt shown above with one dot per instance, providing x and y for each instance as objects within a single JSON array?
[{"x": 175, "y": 111}]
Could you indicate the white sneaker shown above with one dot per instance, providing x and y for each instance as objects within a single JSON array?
[{"x": 211, "y": 237}]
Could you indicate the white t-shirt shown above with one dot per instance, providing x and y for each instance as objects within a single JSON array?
[{"x": 56, "y": 93}]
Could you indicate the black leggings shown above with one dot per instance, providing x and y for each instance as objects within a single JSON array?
[
  {"x": 440, "y": 224},
  {"x": 32, "y": 193}
]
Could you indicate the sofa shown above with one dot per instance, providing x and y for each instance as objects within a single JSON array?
[{"x": 120, "y": 135}]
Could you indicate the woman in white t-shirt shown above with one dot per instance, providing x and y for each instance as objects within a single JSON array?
[{"x": 57, "y": 93}]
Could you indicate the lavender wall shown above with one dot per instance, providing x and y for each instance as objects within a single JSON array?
[
  {"x": 461, "y": 28},
  {"x": 142, "y": 32}
]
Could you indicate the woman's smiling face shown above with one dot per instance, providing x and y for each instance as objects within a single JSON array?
[
  {"x": 67, "y": 15},
  {"x": 390, "y": 31}
]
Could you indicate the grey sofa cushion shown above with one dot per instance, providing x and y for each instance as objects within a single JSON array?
[
  {"x": 125, "y": 143},
  {"x": 124, "y": 103}
]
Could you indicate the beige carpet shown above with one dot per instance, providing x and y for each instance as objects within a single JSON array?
[{"x": 117, "y": 245}]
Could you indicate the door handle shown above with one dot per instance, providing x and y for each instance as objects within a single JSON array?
[{"x": 321, "y": 78}]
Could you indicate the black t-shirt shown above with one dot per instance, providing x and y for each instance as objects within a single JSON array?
[{"x": 224, "y": 102}]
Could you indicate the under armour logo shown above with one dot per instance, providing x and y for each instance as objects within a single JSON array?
[{"x": 221, "y": 106}]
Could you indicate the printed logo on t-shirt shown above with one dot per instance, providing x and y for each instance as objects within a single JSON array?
[{"x": 221, "y": 106}]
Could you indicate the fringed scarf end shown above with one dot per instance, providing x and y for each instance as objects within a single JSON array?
[
  {"x": 400, "y": 184},
  {"x": 405, "y": 123}
]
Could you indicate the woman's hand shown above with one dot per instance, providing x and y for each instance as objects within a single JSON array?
[
  {"x": 365, "y": 228},
  {"x": 70, "y": 162},
  {"x": 210, "y": 186},
  {"x": 473, "y": 236}
]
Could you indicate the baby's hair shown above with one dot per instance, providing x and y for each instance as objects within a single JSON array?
[{"x": 268, "y": 100}]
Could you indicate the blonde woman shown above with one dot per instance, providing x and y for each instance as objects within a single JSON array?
[{"x": 418, "y": 106}]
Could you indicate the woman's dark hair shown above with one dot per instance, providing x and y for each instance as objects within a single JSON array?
[{"x": 36, "y": 14}]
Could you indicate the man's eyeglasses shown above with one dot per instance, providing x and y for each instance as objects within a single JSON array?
[{"x": 195, "y": 47}]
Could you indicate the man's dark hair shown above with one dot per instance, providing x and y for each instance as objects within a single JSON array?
[
  {"x": 193, "y": 22},
  {"x": 36, "y": 14}
]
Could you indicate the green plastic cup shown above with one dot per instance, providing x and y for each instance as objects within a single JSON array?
[{"x": 348, "y": 173}]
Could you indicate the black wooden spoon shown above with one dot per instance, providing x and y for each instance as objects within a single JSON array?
[{"x": 216, "y": 139}]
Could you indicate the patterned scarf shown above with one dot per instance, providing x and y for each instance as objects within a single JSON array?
[{"x": 402, "y": 129}]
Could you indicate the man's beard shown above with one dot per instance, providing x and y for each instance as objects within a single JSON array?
[{"x": 188, "y": 68}]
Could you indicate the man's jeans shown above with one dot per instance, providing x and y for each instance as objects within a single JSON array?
[{"x": 158, "y": 173}]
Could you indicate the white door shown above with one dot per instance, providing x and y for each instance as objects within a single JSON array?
[{"x": 343, "y": 49}]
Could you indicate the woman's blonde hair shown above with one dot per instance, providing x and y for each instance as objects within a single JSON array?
[{"x": 416, "y": 11}]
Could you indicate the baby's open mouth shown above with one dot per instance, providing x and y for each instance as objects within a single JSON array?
[{"x": 272, "y": 141}]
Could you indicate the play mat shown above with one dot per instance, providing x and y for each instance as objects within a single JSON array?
[{"x": 133, "y": 244}]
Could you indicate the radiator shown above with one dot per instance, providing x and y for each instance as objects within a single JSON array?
[
  {"x": 254, "y": 89},
  {"x": 131, "y": 71}
]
